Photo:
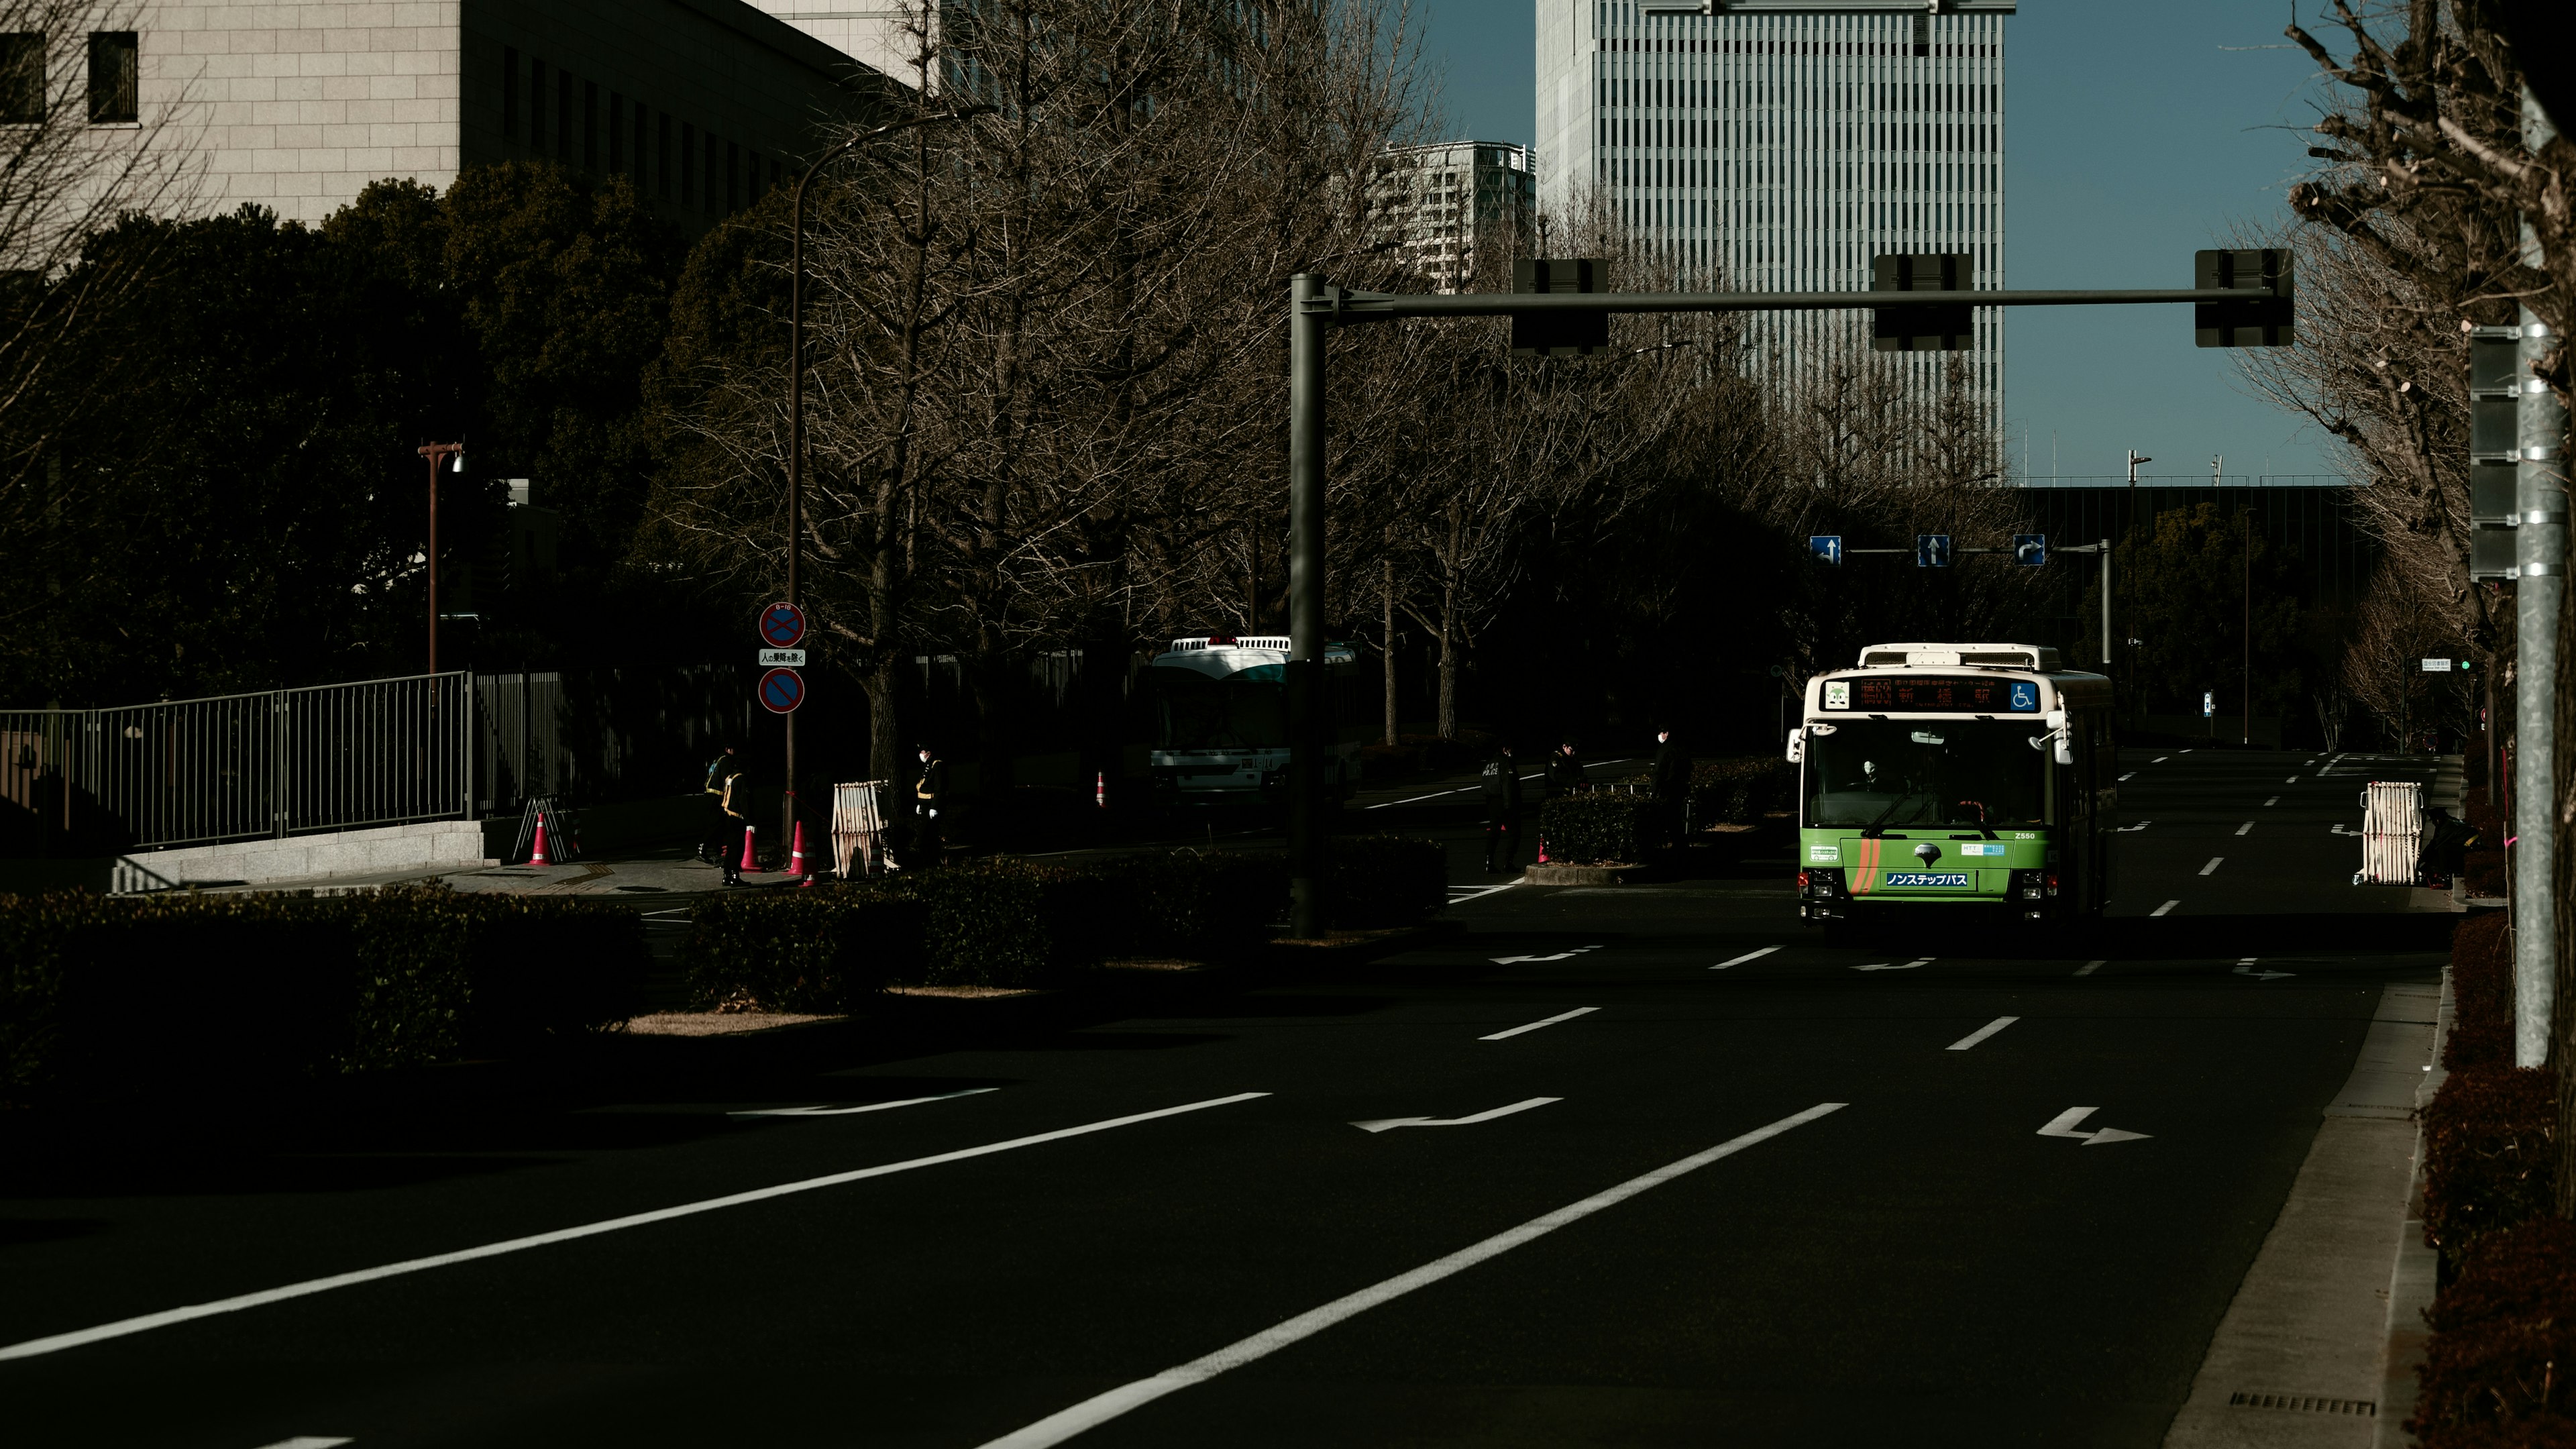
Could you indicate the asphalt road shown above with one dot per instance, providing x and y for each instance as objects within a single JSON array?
[{"x": 1803, "y": 1198}]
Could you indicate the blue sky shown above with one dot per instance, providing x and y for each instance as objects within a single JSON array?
[{"x": 2134, "y": 136}]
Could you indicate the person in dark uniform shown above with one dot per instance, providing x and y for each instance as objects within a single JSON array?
[
  {"x": 1672, "y": 780},
  {"x": 713, "y": 826},
  {"x": 1565, "y": 771},
  {"x": 733, "y": 816},
  {"x": 1502, "y": 782},
  {"x": 926, "y": 795}
]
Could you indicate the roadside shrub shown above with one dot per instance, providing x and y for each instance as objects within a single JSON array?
[
  {"x": 818, "y": 949},
  {"x": 2481, "y": 994},
  {"x": 1005, "y": 922},
  {"x": 220, "y": 992},
  {"x": 2483, "y": 872},
  {"x": 1386, "y": 880},
  {"x": 2488, "y": 1158},
  {"x": 1195, "y": 905},
  {"x": 2503, "y": 1332},
  {"x": 1600, "y": 828},
  {"x": 1740, "y": 790}
]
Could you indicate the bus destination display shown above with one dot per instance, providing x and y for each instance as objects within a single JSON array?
[{"x": 1914, "y": 694}]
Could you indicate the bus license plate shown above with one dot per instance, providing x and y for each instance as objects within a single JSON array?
[{"x": 1924, "y": 880}]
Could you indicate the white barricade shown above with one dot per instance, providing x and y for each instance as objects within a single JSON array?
[
  {"x": 858, "y": 828},
  {"x": 2392, "y": 833}
]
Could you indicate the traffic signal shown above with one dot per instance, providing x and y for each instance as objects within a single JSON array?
[
  {"x": 2030, "y": 549},
  {"x": 2495, "y": 366},
  {"x": 2267, "y": 319},
  {"x": 1560, "y": 334},
  {"x": 1923, "y": 329}
]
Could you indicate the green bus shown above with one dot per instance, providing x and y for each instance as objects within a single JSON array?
[{"x": 1949, "y": 775}]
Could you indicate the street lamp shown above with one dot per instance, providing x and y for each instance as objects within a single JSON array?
[
  {"x": 437, "y": 453},
  {"x": 796, "y": 391}
]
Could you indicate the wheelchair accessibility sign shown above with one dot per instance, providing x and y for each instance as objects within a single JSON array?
[{"x": 2025, "y": 695}]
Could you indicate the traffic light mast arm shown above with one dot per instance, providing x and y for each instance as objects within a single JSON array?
[{"x": 1347, "y": 307}]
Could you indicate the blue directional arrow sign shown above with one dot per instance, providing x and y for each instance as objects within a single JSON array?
[
  {"x": 2030, "y": 549},
  {"x": 1931, "y": 550},
  {"x": 1827, "y": 547}
]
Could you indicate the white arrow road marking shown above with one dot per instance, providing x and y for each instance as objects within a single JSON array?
[
  {"x": 1559, "y": 956},
  {"x": 2337, "y": 829},
  {"x": 2245, "y": 967},
  {"x": 2212, "y": 867},
  {"x": 2063, "y": 1125},
  {"x": 1981, "y": 1033},
  {"x": 2089, "y": 967},
  {"x": 1535, "y": 1025},
  {"x": 2130, "y": 776},
  {"x": 851, "y": 1111},
  {"x": 1908, "y": 966},
  {"x": 2167, "y": 906},
  {"x": 1099, "y": 1409},
  {"x": 1747, "y": 956},
  {"x": 2141, "y": 825},
  {"x": 54, "y": 1343},
  {"x": 1381, "y": 1124}
]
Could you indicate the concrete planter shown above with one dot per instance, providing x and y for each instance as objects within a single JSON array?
[{"x": 1586, "y": 875}]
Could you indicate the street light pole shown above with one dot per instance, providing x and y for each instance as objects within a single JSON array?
[
  {"x": 436, "y": 453},
  {"x": 796, "y": 394}
]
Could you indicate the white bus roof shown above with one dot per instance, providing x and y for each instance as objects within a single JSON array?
[{"x": 1227, "y": 656}]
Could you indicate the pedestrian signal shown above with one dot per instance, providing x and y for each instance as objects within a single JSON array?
[{"x": 1560, "y": 334}]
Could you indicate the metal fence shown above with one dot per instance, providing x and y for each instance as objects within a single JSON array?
[{"x": 242, "y": 766}]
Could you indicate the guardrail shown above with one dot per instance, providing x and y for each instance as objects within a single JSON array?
[{"x": 245, "y": 766}]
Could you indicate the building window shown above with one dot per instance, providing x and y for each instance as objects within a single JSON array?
[
  {"x": 115, "y": 77},
  {"x": 22, "y": 78},
  {"x": 536, "y": 105},
  {"x": 590, "y": 125},
  {"x": 662, "y": 156},
  {"x": 616, "y": 132},
  {"x": 688, "y": 150},
  {"x": 509, "y": 93},
  {"x": 563, "y": 115},
  {"x": 707, "y": 177},
  {"x": 733, "y": 174}
]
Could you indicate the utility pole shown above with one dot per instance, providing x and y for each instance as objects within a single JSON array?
[
  {"x": 1308, "y": 329},
  {"x": 437, "y": 453},
  {"x": 2540, "y": 562},
  {"x": 2249, "y": 626}
]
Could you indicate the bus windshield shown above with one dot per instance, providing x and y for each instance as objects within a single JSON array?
[
  {"x": 1197, "y": 713},
  {"x": 1900, "y": 772}
]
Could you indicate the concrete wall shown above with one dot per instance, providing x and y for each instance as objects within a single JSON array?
[{"x": 391, "y": 848}]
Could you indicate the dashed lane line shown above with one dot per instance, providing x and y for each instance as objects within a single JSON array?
[
  {"x": 169, "y": 1317},
  {"x": 854, "y": 1111},
  {"x": 2293, "y": 780},
  {"x": 1535, "y": 1025},
  {"x": 1099, "y": 1409},
  {"x": 2245, "y": 829},
  {"x": 2089, "y": 967},
  {"x": 1983, "y": 1032},
  {"x": 2212, "y": 867},
  {"x": 2167, "y": 906},
  {"x": 1747, "y": 956},
  {"x": 2275, "y": 800}
]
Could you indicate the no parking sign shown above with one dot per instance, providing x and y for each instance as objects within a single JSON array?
[{"x": 781, "y": 690}]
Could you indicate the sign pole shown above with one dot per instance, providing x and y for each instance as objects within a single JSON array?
[{"x": 1306, "y": 865}]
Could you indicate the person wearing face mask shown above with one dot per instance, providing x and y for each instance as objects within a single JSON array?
[{"x": 926, "y": 794}]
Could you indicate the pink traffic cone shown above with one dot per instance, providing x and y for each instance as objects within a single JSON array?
[
  {"x": 796, "y": 853},
  {"x": 537, "y": 856},
  {"x": 750, "y": 862}
]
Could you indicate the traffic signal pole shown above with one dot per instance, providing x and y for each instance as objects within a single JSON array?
[
  {"x": 1316, "y": 306},
  {"x": 2540, "y": 583}
]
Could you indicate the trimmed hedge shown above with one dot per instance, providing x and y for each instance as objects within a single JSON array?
[
  {"x": 2488, "y": 1159},
  {"x": 1741, "y": 790},
  {"x": 196, "y": 992},
  {"x": 2495, "y": 1371},
  {"x": 2481, "y": 994},
  {"x": 1191, "y": 904},
  {"x": 1600, "y": 828},
  {"x": 814, "y": 950},
  {"x": 1386, "y": 880}
]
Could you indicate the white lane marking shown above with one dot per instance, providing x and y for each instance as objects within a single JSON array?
[
  {"x": 1480, "y": 893},
  {"x": 1981, "y": 1033},
  {"x": 1747, "y": 956},
  {"x": 2293, "y": 780},
  {"x": 1057, "y": 1427},
  {"x": 2212, "y": 867},
  {"x": 122, "y": 1327},
  {"x": 1559, "y": 956},
  {"x": 2089, "y": 967},
  {"x": 2063, "y": 1125},
  {"x": 2160, "y": 759},
  {"x": 2245, "y": 829},
  {"x": 2245, "y": 967},
  {"x": 853, "y": 1111},
  {"x": 2186, "y": 752},
  {"x": 2129, "y": 776},
  {"x": 1382, "y": 1124},
  {"x": 308, "y": 1441},
  {"x": 2275, "y": 800},
  {"x": 1908, "y": 966},
  {"x": 2338, "y": 829},
  {"x": 2131, "y": 829},
  {"x": 2167, "y": 906},
  {"x": 1535, "y": 1025}
]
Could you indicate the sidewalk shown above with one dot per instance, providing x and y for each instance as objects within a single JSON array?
[{"x": 671, "y": 872}]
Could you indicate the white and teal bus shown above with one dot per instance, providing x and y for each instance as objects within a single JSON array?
[
  {"x": 1949, "y": 775},
  {"x": 1220, "y": 719}
]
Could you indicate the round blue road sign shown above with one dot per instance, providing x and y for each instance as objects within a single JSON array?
[
  {"x": 781, "y": 690},
  {"x": 782, "y": 626}
]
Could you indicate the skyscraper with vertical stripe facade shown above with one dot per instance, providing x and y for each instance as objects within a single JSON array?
[{"x": 1779, "y": 145}]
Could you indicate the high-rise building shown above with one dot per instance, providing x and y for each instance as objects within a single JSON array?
[
  {"x": 1781, "y": 144},
  {"x": 1438, "y": 203}
]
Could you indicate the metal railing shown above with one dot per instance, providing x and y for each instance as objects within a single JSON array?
[{"x": 243, "y": 766}]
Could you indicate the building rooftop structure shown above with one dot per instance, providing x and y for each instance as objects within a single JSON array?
[{"x": 1443, "y": 205}]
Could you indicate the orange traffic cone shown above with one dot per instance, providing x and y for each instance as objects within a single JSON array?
[
  {"x": 796, "y": 854},
  {"x": 537, "y": 856},
  {"x": 1542, "y": 850},
  {"x": 750, "y": 861}
]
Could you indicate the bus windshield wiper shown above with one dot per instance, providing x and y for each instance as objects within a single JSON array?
[{"x": 1875, "y": 828}]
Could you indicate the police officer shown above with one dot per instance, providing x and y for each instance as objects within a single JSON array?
[
  {"x": 733, "y": 818},
  {"x": 715, "y": 817},
  {"x": 1502, "y": 782},
  {"x": 1565, "y": 771}
]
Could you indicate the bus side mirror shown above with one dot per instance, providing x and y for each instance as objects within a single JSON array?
[{"x": 1798, "y": 745}]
